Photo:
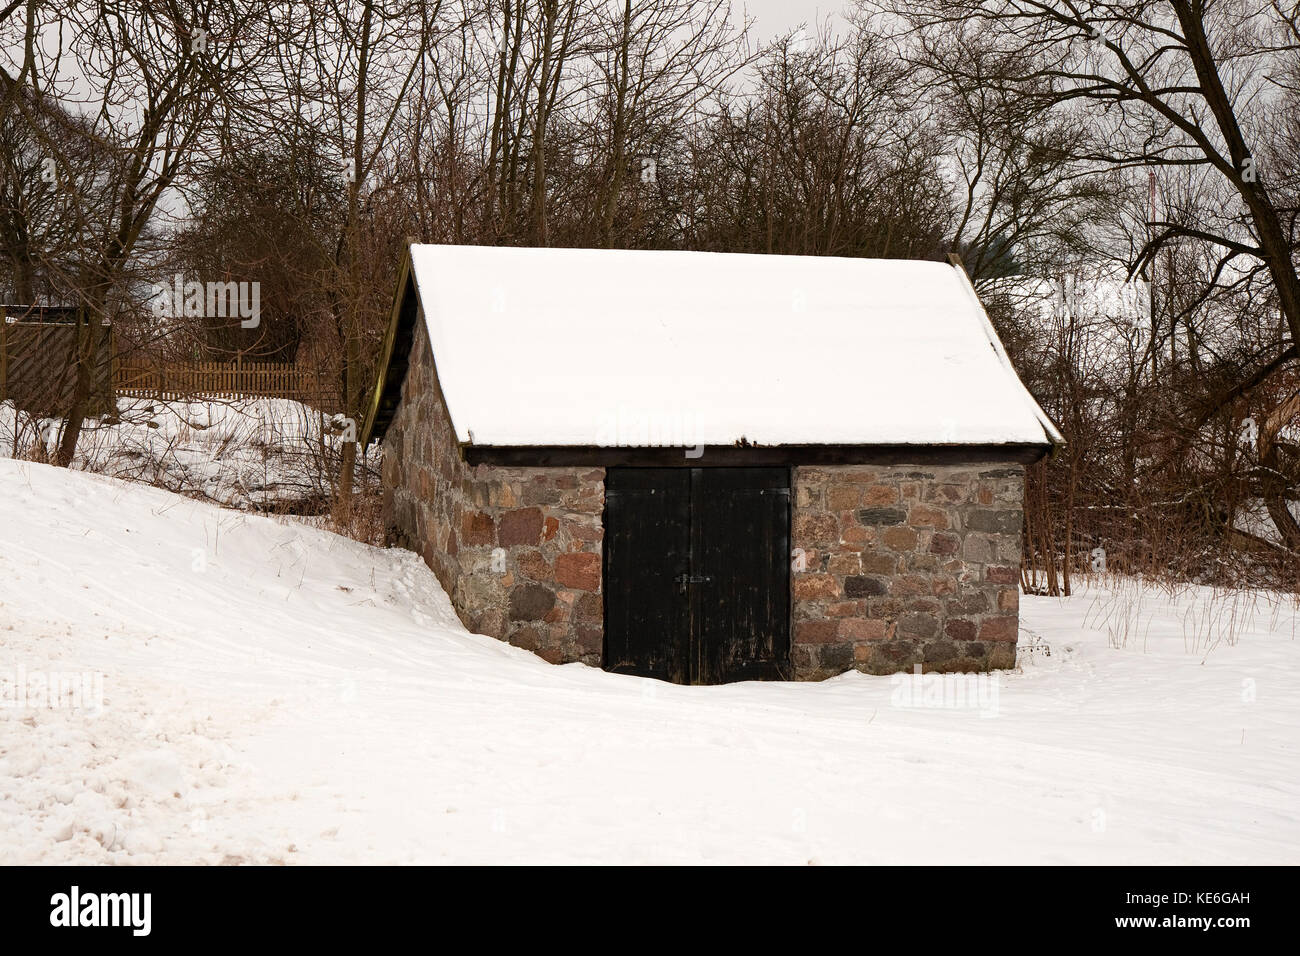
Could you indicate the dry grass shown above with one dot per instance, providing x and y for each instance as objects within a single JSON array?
[
  {"x": 1123, "y": 606},
  {"x": 362, "y": 520}
]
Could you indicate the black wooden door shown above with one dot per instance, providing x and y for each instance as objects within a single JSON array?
[
  {"x": 697, "y": 585},
  {"x": 647, "y": 550},
  {"x": 740, "y": 557}
]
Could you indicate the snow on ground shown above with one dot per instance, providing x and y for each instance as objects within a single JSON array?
[
  {"x": 240, "y": 452},
  {"x": 274, "y": 693}
]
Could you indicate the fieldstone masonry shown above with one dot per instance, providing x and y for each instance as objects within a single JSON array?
[
  {"x": 906, "y": 565},
  {"x": 893, "y": 566},
  {"x": 516, "y": 549}
]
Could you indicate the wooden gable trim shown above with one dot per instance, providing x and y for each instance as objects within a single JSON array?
[{"x": 394, "y": 356}]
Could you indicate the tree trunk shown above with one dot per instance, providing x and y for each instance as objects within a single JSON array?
[
  {"x": 80, "y": 403},
  {"x": 348, "y": 463},
  {"x": 1274, "y": 481}
]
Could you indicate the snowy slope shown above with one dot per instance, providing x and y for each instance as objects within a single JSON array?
[
  {"x": 244, "y": 453},
  {"x": 273, "y": 693}
]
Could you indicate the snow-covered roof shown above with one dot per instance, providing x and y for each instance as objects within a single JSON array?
[{"x": 583, "y": 347}]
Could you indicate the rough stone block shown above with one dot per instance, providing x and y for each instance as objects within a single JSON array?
[
  {"x": 530, "y": 602},
  {"x": 519, "y": 527},
  {"x": 578, "y": 569}
]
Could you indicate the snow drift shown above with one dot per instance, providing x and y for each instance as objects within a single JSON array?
[{"x": 273, "y": 693}]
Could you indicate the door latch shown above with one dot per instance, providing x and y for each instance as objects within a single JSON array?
[{"x": 684, "y": 579}]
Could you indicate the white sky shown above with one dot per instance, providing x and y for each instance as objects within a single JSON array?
[{"x": 774, "y": 17}]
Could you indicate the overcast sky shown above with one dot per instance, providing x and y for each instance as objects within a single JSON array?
[{"x": 774, "y": 17}]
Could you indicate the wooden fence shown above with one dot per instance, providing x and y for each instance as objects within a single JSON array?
[{"x": 174, "y": 380}]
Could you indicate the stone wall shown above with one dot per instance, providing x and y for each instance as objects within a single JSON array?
[
  {"x": 516, "y": 550},
  {"x": 530, "y": 560},
  {"x": 906, "y": 565}
]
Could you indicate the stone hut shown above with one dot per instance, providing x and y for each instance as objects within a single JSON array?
[{"x": 708, "y": 467}]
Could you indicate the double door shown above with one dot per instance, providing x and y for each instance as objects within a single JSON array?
[{"x": 697, "y": 573}]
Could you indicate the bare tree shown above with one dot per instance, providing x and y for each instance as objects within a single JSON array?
[
  {"x": 355, "y": 76},
  {"x": 1176, "y": 84},
  {"x": 826, "y": 156},
  {"x": 154, "y": 85}
]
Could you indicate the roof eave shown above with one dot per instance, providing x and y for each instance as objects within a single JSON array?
[{"x": 1023, "y": 453}]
